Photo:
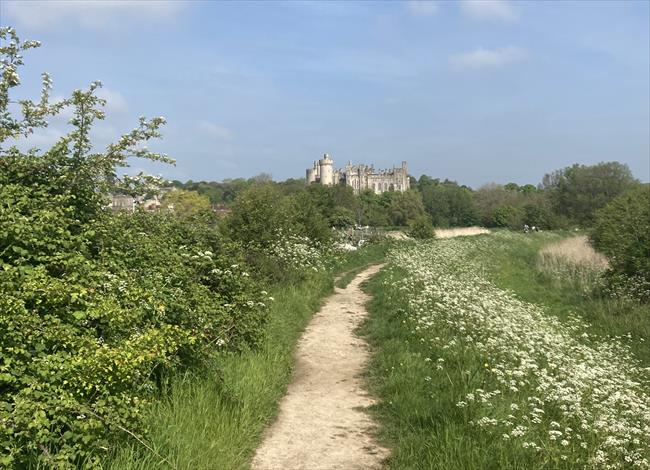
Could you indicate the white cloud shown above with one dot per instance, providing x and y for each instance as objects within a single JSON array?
[
  {"x": 89, "y": 14},
  {"x": 488, "y": 10},
  {"x": 488, "y": 58},
  {"x": 215, "y": 131},
  {"x": 422, "y": 7},
  {"x": 115, "y": 102}
]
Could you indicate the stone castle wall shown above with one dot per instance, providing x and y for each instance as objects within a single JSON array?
[{"x": 359, "y": 177}]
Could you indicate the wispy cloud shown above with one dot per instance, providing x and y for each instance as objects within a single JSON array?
[
  {"x": 488, "y": 58},
  {"x": 115, "y": 102},
  {"x": 488, "y": 10},
  {"x": 422, "y": 7},
  {"x": 215, "y": 131},
  {"x": 104, "y": 14}
]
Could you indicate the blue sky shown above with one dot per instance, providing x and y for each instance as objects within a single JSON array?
[{"x": 475, "y": 91}]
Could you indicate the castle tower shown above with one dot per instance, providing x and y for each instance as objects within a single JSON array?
[
  {"x": 406, "y": 182},
  {"x": 326, "y": 170},
  {"x": 312, "y": 174}
]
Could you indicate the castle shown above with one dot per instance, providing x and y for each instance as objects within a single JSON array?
[{"x": 359, "y": 177}]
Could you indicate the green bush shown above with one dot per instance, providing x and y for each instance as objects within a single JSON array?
[
  {"x": 622, "y": 233},
  {"x": 508, "y": 216},
  {"x": 97, "y": 309},
  {"x": 421, "y": 228}
]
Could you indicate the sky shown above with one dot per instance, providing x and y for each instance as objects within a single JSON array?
[{"x": 473, "y": 91}]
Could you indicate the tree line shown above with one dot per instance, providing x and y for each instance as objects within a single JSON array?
[{"x": 566, "y": 198}]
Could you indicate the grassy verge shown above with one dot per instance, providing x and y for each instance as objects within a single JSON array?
[
  {"x": 216, "y": 420},
  {"x": 451, "y": 361},
  {"x": 513, "y": 266},
  {"x": 419, "y": 418}
]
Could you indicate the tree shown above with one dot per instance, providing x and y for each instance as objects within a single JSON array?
[
  {"x": 342, "y": 217},
  {"x": 258, "y": 214},
  {"x": 491, "y": 197},
  {"x": 508, "y": 216},
  {"x": 578, "y": 191},
  {"x": 405, "y": 207},
  {"x": 186, "y": 203},
  {"x": 421, "y": 228},
  {"x": 622, "y": 232},
  {"x": 449, "y": 204}
]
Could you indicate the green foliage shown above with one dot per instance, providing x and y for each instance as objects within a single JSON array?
[
  {"x": 421, "y": 228},
  {"x": 186, "y": 203},
  {"x": 217, "y": 419},
  {"x": 258, "y": 215},
  {"x": 97, "y": 309},
  {"x": 447, "y": 203},
  {"x": 578, "y": 191},
  {"x": 342, "y": 217},
  {"x": 622, "y": 232},
  {"x": 538, "y": 216},
  {"x": 405, "y": 207},
  {"x": 508, "y": 216}
]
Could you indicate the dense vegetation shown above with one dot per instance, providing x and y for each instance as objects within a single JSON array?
[
  {"x": 100, "y": 311},
  {"x": 565, "y": 198},
  {"x": 622, "y": 232}
]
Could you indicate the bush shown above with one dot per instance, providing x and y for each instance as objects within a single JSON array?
[
  {"x": 421, "y": 228},
  {"x": 95, "y": 316},
  {"x": 342, "y": 217},
  {"x": 622, "y": 232},
  {"x": 508, "y": 216},
  {"x": 96, "y": 309}
]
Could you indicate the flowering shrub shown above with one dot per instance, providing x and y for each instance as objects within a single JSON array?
[
  {"x": 96, "y": 309},
  {"x": 89, "y": 336},
  {"x": 547, "y": 387},
  {"x": 296, "y": 253}
]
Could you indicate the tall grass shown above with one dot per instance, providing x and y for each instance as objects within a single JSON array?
[
  {"x": 573, "y": 260},
  {"x": 460, "y": 232},
  {"x": 214, "y": 419}
]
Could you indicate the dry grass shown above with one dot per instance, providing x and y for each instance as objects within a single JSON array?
[
  {"x": 460, "y": 232},
  {"x": 572, "y": 259}
]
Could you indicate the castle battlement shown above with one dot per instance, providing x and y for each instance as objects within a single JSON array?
[{"x": 359, "y": 177}]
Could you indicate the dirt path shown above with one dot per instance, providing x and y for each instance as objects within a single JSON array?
[{"x": 321, "y": 424}]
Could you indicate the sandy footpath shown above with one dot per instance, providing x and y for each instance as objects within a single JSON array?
[{"x": 321, "y": 423}]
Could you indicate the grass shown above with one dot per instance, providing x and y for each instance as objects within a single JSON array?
[
  {"x": 515, "y": 266},
  {"x": 418, "y": 406},
  {"x": 572, "y": 260},
  {"x": 215, "y": 420},
  {"x": 419, "y": 419}
]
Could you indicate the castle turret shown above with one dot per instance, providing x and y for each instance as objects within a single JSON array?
[
  {"x": 312, "y": 174},
  {"x": 406, "y": 182},
  {"x": 326, "y": 170}
]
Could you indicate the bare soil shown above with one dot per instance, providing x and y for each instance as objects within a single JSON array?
[{"x": 322, "y": 424}]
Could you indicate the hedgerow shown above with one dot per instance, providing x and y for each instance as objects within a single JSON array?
[
  {"x": 622, "y": 232},
  {"x": 96, "y": 308}
]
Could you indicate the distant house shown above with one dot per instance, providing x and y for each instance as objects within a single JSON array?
[{"x": 124, "y": 202}]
